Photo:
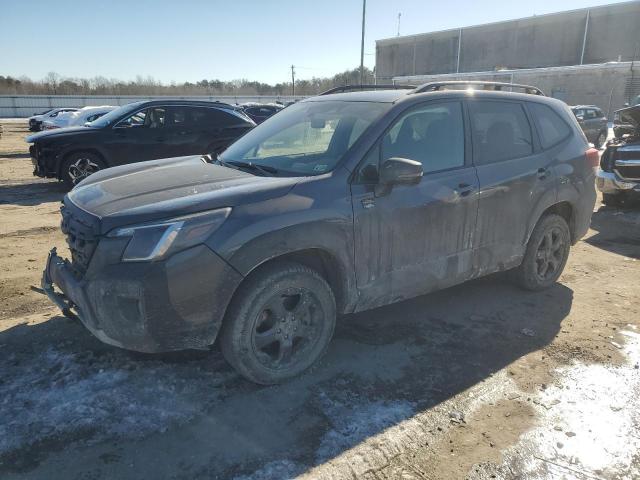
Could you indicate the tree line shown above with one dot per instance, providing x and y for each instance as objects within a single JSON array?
[{"x": 55, "y": 84}]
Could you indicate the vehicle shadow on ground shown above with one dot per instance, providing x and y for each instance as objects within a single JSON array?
[
  {"x": 14, "y": 155},
  {"x": 31, "y": 194},
  {"x": 618, "y": 230},
  {"x": 66, "y": 394}
]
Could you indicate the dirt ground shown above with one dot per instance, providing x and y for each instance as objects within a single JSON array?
[{"x": 478, "y": 381}]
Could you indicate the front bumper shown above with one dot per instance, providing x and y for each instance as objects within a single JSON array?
[
  {"x": 608, "y": 182},
  {"x": 159, "y": 306}
]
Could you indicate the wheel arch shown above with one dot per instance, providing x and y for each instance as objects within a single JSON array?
[
  {"x": 564, "y": 209},
  {"x": 322, "y": 261}
]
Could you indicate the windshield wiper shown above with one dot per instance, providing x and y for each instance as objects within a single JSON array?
[{"x": 251, "y": 166}]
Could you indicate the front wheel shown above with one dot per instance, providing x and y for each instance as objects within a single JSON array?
[
  {"x": 78, "y": 166},
  {"x": 546, "y": 254},
  {"x": 602, "y": 138},
  {"x": 279, "y": 323}
]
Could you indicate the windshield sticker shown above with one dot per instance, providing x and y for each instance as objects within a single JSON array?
[{"x": 320, "y": 168}]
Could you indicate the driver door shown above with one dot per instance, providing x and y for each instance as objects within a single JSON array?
[
  {"x": 412, "y": 239},
  {"x": 141, "y": 136}
]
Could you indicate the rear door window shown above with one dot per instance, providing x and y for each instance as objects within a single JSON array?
[
  {"x": 551, "y": 127},
  {"x": 500, "y": 130}
]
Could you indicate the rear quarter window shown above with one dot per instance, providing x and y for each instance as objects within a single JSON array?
[
  {"x": 551, "y": 127},
  {"x": 214, "y": 118}
]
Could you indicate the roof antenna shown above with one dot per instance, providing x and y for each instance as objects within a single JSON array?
[{"x": 399, "y": 15}]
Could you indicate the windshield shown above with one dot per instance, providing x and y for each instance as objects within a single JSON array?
[
  {"x": 114, "y": 115},
  {"x": 308, "y": 138}
]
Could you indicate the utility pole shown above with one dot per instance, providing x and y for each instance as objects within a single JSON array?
[
  {"x": 293, "y": 81},
  {"x": 364, "y": 8},
  {"x": 399, "y": 15}
]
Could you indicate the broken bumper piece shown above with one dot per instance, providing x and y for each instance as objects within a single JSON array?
[{"x": 150, "y": 307}]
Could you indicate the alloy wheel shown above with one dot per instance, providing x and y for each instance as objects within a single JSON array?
[
  {"x": 287, "y": 328},
  {"x": 81, "y": 169},
  {"x": 550, "y": 252}
]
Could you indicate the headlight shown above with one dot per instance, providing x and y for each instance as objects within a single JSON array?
[{"x": 154, "y": 241}]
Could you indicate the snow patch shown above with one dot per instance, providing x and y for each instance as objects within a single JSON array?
[
  {"x": 62, "y": 396},
  {"x": 353, "y": 419}
]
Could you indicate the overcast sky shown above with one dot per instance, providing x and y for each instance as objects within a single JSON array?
[{"x": 189, "y": 40}]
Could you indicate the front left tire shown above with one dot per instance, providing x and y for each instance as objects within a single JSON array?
[
  {"x": 279, "y": 323},
  {"x": 78, "y": 166}
]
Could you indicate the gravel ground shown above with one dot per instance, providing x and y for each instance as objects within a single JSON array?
[{"x": 478, "y": 381}]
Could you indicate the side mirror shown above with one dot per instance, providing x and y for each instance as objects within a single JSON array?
[
  {"x": 396, "y": 170},
  {"x": 580, "y": 118}
]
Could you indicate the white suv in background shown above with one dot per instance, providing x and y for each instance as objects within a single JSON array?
[{"x": 77, "y": 118}]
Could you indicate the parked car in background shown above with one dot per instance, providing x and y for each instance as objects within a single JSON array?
[
  {"x": 35, "y": 122},
  {"x": 593, "y": 122},
  {"x": 136, "y": 132},
  {"x": 619, "y": 175},
  {"x": 339, "y": 203},
  {"x": 259, "y": 112},
  {"x": 77, "y": 118}
]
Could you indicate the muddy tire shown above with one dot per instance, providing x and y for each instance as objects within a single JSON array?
[
  {"x": 546, "y": 254},
  {"x": 279, "y": 323},
  {"x": 78, "y": 166},
  {"x": 611, "y": 199}
]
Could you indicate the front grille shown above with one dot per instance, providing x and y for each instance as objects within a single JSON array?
[
  {"x": 80, "y": 238},
  {"x": 628, "y": 172}
]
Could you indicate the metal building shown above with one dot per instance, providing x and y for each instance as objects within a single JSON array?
[{"x": 589, "y": 55}]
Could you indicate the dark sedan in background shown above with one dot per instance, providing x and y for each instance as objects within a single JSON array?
[
  {"x": 136, "y": 132},
  {"x": 259, "y": 112}
]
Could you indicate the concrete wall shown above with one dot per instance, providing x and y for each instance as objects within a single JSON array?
[
  {"x": 27, "y": 105},
  {"x": 612, "y": 33},
  {"x": 608, "y": 85}
]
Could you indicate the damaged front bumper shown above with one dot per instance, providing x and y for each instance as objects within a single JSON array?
[
  {"x": 609, "y": 182},
  {"x": 162, "y": 306}
]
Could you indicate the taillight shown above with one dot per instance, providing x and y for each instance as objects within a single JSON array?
[{"x": 593, "y": 157}]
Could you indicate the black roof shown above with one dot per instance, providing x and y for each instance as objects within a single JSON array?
[{"x": 192, "y": 103}]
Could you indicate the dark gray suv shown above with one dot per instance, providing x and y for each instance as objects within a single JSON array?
[{"x": 340, "y": 203}]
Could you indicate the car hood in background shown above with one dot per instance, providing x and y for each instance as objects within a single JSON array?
[
  {"x": 167, "y": 188},
  {"x": 58, "y": 132},
  {"x": 630, "y": 115}
]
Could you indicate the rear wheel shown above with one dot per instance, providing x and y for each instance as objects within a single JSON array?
[
  {"x": 78, "y": 166},
  {"x": 546, "y": 254},
  {"x": 279, "y": 323}
]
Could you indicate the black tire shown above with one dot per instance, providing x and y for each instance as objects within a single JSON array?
[
  {"x": 546, "y": 254},
  {"x": 79, "y": 165},
  {"x": 601, "y": 139},
  {"x": 611, "y": 199},
  {"x": 279, "y": 323}
]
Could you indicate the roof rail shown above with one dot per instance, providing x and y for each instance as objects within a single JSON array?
[
  {"x": 495, "y": 86},
  {"x": 349, "y": 88}
]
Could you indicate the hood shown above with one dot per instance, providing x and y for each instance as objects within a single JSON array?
[
  {"x": 162, "y": 189},
  {"x": 57, "y": 133},
  {"x": 630, "y": 115}
]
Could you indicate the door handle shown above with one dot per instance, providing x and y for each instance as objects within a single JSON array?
[
  {"x": 464, "y": 189},
  {"x": 543, "y": 173},
  {"x": 368, "y": 203}
]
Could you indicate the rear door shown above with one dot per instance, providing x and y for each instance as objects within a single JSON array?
[
  {"x": 411, "y": 239},
  {"x": 217, "y": 128},
  {"x": 514, "y": 177}
]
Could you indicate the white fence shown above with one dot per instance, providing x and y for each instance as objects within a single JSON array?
[{"x": 26, "y": 105}]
